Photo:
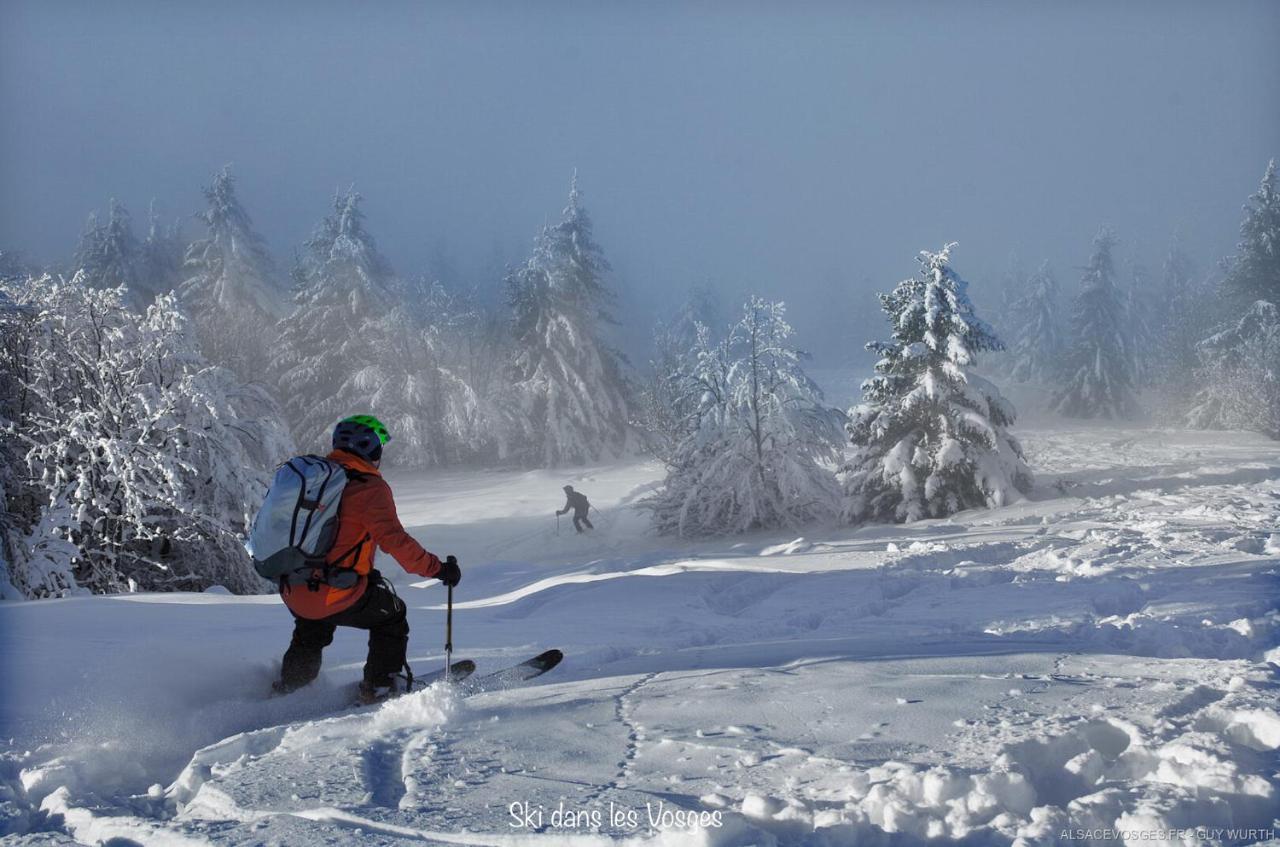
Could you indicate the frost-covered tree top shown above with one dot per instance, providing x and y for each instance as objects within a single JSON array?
[
  {"x": 1037, "y": 343},
  {"x": 936, "y": 332},
  {"x": 229, "y": 269},
  {"x": 231, "y": 287},
  {"x": 931, "y": 435},
  {"x": 1099, "y": 366},
  {"x": 569, "y": 397},
  {"x": 108, "y": 254},
  {"x": 701, "y": 307},
  {"x": 327, "y": 358},
  {"x": 760, "y": 449},
  {"x": 342, "y": 259},
  {"x": 1254, "y": 272},
  {"x": 574, "y": 263},
  {"x": 162, "y": 254}
]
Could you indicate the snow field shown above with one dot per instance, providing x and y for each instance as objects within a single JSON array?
[{"x": 1101, "y": 656}]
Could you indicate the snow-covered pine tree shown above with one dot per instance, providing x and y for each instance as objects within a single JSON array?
[
  {"x": 109, "y": 256},
  {"x": 327, "y": 355},
  {"x": 568, "y": 402},
  {"x": 1240, "y": 365},
  {"x": 931, "y": 436},
  {"x": 1037, "y": 346},
  {"x": 1240, "y": 372},
  {"x": 761, "y": 444},
  {"x": 1097, "y": 377},
  {"x": 230, "y": 286},
  {"x": 1254, "y": 272},
  {"x": 142, "y": 465}
]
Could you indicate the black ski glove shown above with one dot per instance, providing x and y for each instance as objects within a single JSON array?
[{"x": 450, "y": 574}]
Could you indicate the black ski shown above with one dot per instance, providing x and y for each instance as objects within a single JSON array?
[
  {"x": 458, "y": 671},
  {"x": 516, "y": 674}
]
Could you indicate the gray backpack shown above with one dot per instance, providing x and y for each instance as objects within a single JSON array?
[{"x": 298, "y": 522}]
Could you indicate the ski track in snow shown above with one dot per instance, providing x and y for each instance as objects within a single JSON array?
[{"x": 1102, "y": 655}]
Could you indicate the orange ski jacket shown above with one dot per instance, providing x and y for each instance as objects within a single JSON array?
[{"x": 367, "y": 520}]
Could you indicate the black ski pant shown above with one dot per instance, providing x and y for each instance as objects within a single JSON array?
[
  {"x": 379, "y": 611},
  {"x": 580, "y": 520}
]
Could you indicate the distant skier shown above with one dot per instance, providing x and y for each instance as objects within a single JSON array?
[
  {"x": 576, "y": 501},
  {"x": 355, "y": 594}
]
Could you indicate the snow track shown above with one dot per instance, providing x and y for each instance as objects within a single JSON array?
[{"x": 1101, "y": 656}]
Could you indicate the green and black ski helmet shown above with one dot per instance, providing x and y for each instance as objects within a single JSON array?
[{"x": 363, "y": 435}]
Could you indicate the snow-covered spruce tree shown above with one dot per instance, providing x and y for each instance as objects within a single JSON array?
[
  {"x": 1037, "y": 346},
  {"x": 109, "y": 255},
  {"x": 1097, "y": 376},
  {"x": 141, "y": 464},
  {"x": 761, "y": 445},
  {"x": 1240, "y": 372},
  {"x": 931, "y": 437},
  {"x": 1240, "y": 365},
  {"x": 230, "y": 286},
  {"x": 1254, "y": 272},
  {"x": 325, "y": 349},
  {"x": 568, "y": 403}
]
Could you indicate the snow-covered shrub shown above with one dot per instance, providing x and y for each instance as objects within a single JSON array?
[
  {"x": 139, "y": 464},
  {"x": 759, "y": 449},
  {"x": 1240, "y": 370},
  {"x": 1097, "y": 375},
  {"x": 931, "y": 436},
  {"x": 231, "y": 290},
  {"x": 568, "y": 399}
]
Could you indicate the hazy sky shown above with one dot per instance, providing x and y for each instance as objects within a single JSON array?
[{"x": 801, "y": 150}]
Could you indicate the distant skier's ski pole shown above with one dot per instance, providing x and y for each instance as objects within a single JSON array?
[{"x": 557, "y": 523}]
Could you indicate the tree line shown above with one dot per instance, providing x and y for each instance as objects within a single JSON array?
[{"x": 147, "y": 395}]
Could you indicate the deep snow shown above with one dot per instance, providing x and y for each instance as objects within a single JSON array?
[{"x": 1092, "y": 658}]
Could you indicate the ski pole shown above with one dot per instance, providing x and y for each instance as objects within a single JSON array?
[
  {"x": 448, "y": 637},
  {"x": 557, "y": 523}
]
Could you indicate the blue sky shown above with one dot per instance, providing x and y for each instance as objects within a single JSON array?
[{"x": 804, "y": 151}]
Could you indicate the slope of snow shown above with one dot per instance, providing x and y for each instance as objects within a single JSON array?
[{"x": 1090, "y": 660}]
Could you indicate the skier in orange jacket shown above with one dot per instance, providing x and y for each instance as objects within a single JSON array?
[{"x": 355, "y": 594}]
